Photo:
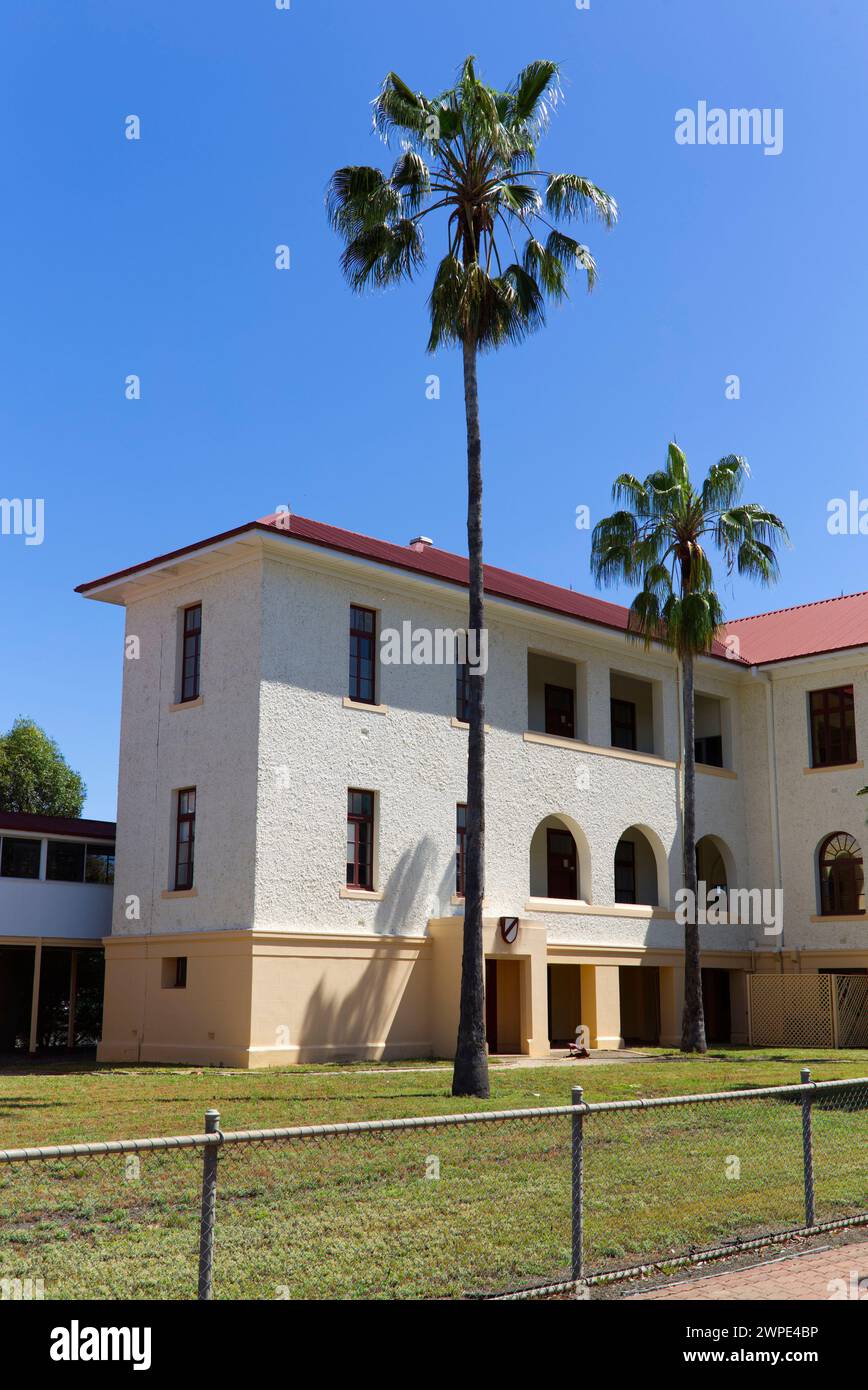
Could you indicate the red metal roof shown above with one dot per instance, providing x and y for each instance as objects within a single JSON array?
[
  {"x": 57, "y": 825},
  {"x": 428, "y": 561},
  {"x": 812, "y": 628},
  {"x": 829, "y": 625},
  {"x": 443, "y": 564}
]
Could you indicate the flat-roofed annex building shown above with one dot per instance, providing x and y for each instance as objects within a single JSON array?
[
  {"x": 290, "y": 821},
  {"x": 56, "y": 876}
]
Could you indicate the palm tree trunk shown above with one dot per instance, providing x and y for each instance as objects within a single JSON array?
[
  {"x": 693, "y": 1023},
  {"x": 470, "y": 1075}
]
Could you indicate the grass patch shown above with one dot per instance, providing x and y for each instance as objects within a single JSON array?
[{"x": 441, "y": 1212}]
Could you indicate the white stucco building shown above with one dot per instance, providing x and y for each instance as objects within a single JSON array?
[{"x": 288, "y": 850}]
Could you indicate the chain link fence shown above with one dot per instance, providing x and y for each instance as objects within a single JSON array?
[{"x": 491, "y": 1204}]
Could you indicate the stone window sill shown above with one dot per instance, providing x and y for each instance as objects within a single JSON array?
[
  {"x": 834, "y": 767},
  {"x": 360, "y": 704},
  {"x": 839, "y": 917}
]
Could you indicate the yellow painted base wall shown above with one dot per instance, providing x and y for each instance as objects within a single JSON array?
[
  {"x": 265, "y": 999},
  {"x": 259, "y": 999}
]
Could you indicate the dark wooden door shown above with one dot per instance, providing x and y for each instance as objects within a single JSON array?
[
  {"x": 562, "y": 873},
  {"x": 716, "y": 1006}
]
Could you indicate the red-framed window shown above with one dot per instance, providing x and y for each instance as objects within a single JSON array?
[
  {"x": 842, "y": 878},
  {"x": 191, "y": 652},
  {"x": 462, "y": 692},
  {"x": 185, "y": 838},
  {"x": 360, "y": 839},
  {"x": 833, "y": 727},
  {"x": 623, "y": 724},
  {"x": 560, "y": 711},
  {"x": 363, "y": 636},
  {"x": 460, "y": 838}
]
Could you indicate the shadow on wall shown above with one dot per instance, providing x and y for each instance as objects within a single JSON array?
[
  {"x": 388, "y": 1002},
  {"x": 403, "y": 911}
]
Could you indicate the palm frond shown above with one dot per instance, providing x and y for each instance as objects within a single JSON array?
[
  {"x": 529, "y": 302},
  {"x": 397, "y": 107},
  {"x": 723, "y": 485},
  {"x": 533, "y": 96},
  {"x": 572, "y": 253},
  {"x": 630, "y": 489},
  {"x": 412, "y": 177},
  {"x": 382, "y": 255},
  {"x": 645, "y": 620},
  {"x": 758, "y": 560},
  {"x": 522, "y": 199},
  {"x": 359, "y": 197},
  {"x": 613, "y": 548},
  {"x": 548, "y": 270},
  {"x": 657, "y": 537},
  {"x": 570, "y": 196}
]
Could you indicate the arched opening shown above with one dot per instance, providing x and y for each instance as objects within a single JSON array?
[
  {"x": 715, "y": 866},
  {"x": 842, "y": 880},
  {"x": 637, "y": 869},
  {"x": 559, "y": 861}
]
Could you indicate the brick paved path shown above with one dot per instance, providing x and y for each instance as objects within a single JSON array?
[{"x": 795, "y": 1278}]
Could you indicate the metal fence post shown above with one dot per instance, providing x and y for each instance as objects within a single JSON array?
[
  {"x": 209, "y": 1205},
  {"x": 578, "y": 1158},
  {"x": 808, "y": 1148}
]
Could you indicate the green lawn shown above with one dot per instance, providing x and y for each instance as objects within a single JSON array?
[{"x": 423, "y": 1213}]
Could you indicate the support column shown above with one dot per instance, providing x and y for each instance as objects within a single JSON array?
[
  {"x": 671, "y": 1004},
  {"x": 535, "y": 996},
  {"x": 34, "y": 1000},
  {"x": 601, "y": 1005},
  {"x": 73, "y": 992},
  {"x": 738, "y": 1008}
]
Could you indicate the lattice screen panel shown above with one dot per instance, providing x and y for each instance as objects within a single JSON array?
[
  {"x": 791, "y": 1011},
  {"x": 852, "y": 1001}
]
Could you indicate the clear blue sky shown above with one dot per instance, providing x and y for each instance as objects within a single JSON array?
[{"x": 259, "y": 387}]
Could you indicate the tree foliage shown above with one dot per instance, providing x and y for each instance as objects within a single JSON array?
[
  {"x": 660, "y": 539},
  {"x": 34, "y": 775},
  {"x": 469, "y": 153}
]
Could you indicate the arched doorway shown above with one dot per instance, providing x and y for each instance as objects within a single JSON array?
[
  {"x": 558, "y": 865},
  {"x": 711, "y": 866},
  {"x": 637, "y": 877}
]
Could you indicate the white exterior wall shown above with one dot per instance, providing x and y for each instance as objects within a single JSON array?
[
  {"x": 211, "y": 746},
  {"x": 312, "y": 748},
  {"x": 33, "y": 907},
  {"x": 273, "y": 748},
  {"x": 816, "y": 804}
]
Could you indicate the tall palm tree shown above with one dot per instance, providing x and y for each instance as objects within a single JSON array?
[
  {"x": 469, "y": 155},
  {"x": 660, "y": 539}
]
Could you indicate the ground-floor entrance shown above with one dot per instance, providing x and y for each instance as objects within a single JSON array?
[
  {"x": 639, "y": 990},
  {"x": 565, "y": 1003},
  {"x": 51, "y": 996},
  {"x": 503, "y": 1005},
  {"x": 717, "y": 1005}
]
